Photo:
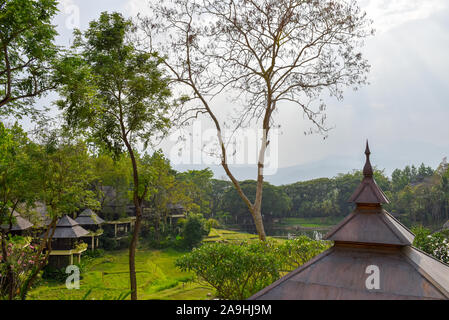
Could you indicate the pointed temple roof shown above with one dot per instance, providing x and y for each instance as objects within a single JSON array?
[
  {"x": 88, "y": 218},
  {"x": 20, "y": 223},
  {"x": 368, "y": 191},
  {"x": 369, "y": 236},
  {"x": 67, "y": 228}
]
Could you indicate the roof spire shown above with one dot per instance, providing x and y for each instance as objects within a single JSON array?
[
  {"x": 368, "y": 191},
  {"x": 367, "y": 169}
]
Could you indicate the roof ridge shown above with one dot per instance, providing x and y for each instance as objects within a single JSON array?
[
  {"x": 293, "y": 273},
  {"x": 421, "y": 271}
]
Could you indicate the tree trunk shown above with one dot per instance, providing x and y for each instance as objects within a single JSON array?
[
  {"x": 132, "y": 251},
  {"x": 137, "y": 204},
  {"x": 45, "y": 244}
]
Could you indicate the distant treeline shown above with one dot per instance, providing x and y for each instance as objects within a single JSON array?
[{"x": 418, "y": 195}]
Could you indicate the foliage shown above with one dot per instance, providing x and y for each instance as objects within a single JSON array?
[
  {"x": 107, "y": 278},
  {"x": 197, "y": 186},
  {"x": 436, "y": 244},
  {"x": 110, "y": 88},
  {"x": 236, "y": 271},
  {"x": 28, "y": 52},
  {"x": 117, "y": 95},
  {"x": 18, "y": 169},
  {"x": 194, "y": 230},
  {"x": 54, "y": 274},
  {"x": 275, "y": 202},
  {"x": 17, "y": 259},
  {"x": 97, "y": 253},
  {"x": 114, "y": 244},
  {"x": 259, "y": 54},
  {"x": 298, "y": 251}
]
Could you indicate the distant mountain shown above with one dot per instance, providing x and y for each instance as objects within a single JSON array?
[
  {"x": 391, "y": 157},
  {"x": 329, "y": 167}
]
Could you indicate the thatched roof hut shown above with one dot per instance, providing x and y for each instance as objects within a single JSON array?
[
  {"x": 89, "y": 218},
  {"x": 67, "y": 228},
  {"x": 20, "y": 223}
]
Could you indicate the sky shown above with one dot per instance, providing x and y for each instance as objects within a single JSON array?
[{"x": 404, "y": 111}]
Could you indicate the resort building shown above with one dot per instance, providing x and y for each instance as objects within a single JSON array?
[
  {"x": 90, "y": 221},
  {"x": 20, "y": 226},
  {"x": 67, "y": 244},
  {"x": 372, "y": 258}
]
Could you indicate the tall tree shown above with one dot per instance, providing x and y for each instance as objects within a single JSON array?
[
  {"x": 262, "y": 53},
  {"x": 63, "y": 175},
  {"x": 56, "y": 173},
  {"x": 118, "y": 95},
  {"x": 27, "y": 51}
]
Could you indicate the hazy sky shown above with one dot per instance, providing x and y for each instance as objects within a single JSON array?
[{"x": 404, "y": 112}]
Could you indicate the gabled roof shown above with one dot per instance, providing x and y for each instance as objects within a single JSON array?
[
  {"x": 88, "y": 217},
  {"x": 68, "y": 228}
]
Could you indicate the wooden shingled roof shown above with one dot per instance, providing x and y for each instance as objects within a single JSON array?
[
  {"x": 89, "y": 218},
  {"x": 67, "y": 228},
  {"x": 20, "y": 223},
  {"x": 368, "y": 237}
]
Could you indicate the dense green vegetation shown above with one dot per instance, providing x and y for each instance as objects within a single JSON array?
[
  {"x": 117, "y": 101},
  {"x": 174, "y": 274},
  {"x": 417, "y": 196},
  {"x": 108, "y": 276}
]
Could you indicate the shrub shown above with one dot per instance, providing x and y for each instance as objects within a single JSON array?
[
  {"x": 114, "y": 244},
  {"x": 194, "y": 230},
  {"x": 97, "y": 253},
  {"x": 294, "y": 253},
  {"x": 54, "y": 274},
  {"x": 236, "y": 271},
  {"x": 437, "y": 245}
]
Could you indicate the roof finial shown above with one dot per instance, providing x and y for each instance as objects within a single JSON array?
[{"x": 367, "y": 169}]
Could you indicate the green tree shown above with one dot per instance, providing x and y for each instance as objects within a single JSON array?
[
  {"x": 63, "y": 177},
  {"x": 118, "y": 95},
  {"x": 234, "y": 270},
  {"x": 261, "y": 53},
  {"x": 275, "y": 202},
  {"x": 112, "y": 183},
  {"x": 194, "y": 230},
  {"x": 199, "y": 187},
  {"x": 56, "y": 172},
  {"x": 27, "y": 53},
  {"x": 17, "y": 186}
]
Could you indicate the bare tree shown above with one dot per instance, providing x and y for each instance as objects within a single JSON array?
[{"x": 261, "y": 53}]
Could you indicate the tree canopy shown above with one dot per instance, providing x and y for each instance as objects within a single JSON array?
[{"x": 27, "y": 53}]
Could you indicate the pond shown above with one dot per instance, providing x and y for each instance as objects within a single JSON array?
[{"x": 290, "y": 233}]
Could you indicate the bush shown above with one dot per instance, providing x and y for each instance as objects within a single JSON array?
[
  {"x": 295, "y": 253},
  {"x": 54, "y": 274},
  {"x": 97, "y": 253},
  {"x": 236, "y": 271},
  {"x": 114, "y": 244},
  {"x": 194, "y": 230},
  {"x": 437, "y": 244}
]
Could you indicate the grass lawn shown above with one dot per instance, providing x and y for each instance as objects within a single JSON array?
[
  {"x": 108, "y": 277},
  {"x": 157, "y": 276},
  {"x": 316, "y": 222}
]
